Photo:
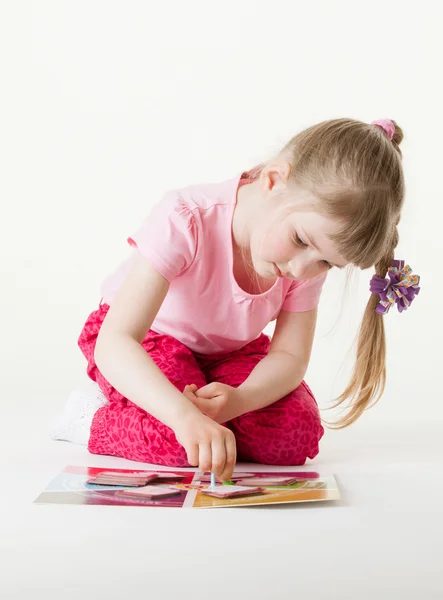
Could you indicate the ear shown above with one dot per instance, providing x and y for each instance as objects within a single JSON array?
[{"x": 274, "y": 176}]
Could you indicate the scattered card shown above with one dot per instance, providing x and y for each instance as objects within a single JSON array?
[
  {"x": 119, "y": 482},
  {"x": 267, "y": 481},
  {"x": 123, "y": 479},
  {"x": 232, "y": 491},
  {"x": 206, "y": 478},
  {"x": 149, "y": 491},
  {"x": 130, "y": 474},
  {"x": 169, "y": 477}
]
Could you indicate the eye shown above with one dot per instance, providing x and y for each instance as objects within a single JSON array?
[{"x": 299, "y": 241}]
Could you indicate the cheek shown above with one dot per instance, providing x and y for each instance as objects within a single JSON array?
[
  {"x": 274, "y": 245},
  {"x": 282, "y": 251},
  {"x": 279, "y": 247}
]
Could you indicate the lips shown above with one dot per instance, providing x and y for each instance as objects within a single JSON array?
[
  {"x": 277, "y": 271},
  {"x": 280, "y": 274}
]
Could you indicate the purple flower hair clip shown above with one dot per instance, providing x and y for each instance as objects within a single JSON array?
[{"x": 400, "y": 287}]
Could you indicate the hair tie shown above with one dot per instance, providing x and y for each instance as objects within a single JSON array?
[
  {"x": 387, "y": 125},
  {"x": 399, "y": 288}
]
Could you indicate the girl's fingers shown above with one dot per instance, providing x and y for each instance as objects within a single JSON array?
[
  {"x": 205, "y": 457},
  {"x": 231, "y": 457},
  {"x": 190, "y": 395},
  {"x": 218, "y": 455},
  {"x": 193, "y": 455}
]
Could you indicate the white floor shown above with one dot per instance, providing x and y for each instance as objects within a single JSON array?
[{"x": 383, "y": 540}]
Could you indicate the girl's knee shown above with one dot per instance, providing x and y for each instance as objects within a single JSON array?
[
  {"x": 128, "y": 432},
  {"x": 303, "y": 423},
  {"x": 285, "y": 433}
]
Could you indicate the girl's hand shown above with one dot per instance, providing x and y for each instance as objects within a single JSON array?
[
  {"x": 208, "y": 445},
  {"x": 218, "y": 401}
]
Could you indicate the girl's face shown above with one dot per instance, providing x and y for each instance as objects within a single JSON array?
[
  {"x": 289, "y": 238},
  {"x": 294, "y": 244}
]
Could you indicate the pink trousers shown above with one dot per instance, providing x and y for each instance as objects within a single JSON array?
[{"x": 284, "y": 433}]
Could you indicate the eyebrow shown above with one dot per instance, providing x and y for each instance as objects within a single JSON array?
[{"x": 311, "y": 241}]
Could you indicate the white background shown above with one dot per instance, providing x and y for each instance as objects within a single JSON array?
[{"x": 105, "y": 106}]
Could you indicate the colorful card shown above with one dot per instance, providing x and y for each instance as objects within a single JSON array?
[
  {"x": 131, "y": 475},
  {"x": 135, "y": 479},
  {"x": 122, "y": 479},
  {"x": 185, "y": 488},
  {"x": 206, "y": 477},
  {"x": 166, "y": 476},
  {"x": 149, "y": 491},
  {"x": 232, "y": 491},
  {"x": 267, "y": 480}
]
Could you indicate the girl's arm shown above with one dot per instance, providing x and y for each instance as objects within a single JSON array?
[
  {"x": 126, "y": 365},
  {"x": 285, "y": 365},
  {"x": 119, "y": 354}
]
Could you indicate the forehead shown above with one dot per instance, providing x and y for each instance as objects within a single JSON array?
[{"x": 313, "y": 222}]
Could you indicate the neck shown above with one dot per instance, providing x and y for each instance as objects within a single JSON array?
[{"x": 247, "y": 207}]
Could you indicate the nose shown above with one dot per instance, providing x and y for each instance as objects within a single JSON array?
[{"x": 300, "y": 269}]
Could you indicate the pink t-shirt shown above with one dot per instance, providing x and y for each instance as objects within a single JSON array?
[{"x": 187, "y": 237}]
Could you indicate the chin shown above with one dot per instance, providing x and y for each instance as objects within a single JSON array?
[
  {"x": 269, "y": 272},
  {"x": 264, "y": 269}
]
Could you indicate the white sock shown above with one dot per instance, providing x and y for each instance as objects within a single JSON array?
[{"x": 75, "y": 423}]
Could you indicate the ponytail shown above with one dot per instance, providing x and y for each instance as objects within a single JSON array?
[{"x": 368, "y": 379}]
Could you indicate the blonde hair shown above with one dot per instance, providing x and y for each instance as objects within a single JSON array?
[{"x": 356, "y": 173}]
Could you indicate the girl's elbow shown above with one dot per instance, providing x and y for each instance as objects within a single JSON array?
[
  {"x": 99, "y": 350},
  {"x": 105, "y": 344}
]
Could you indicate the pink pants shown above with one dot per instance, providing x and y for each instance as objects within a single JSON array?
[{"x": 284, "y": 433}]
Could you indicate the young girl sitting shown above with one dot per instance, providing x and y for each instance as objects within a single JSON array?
[{"x": 176, "y": 344}]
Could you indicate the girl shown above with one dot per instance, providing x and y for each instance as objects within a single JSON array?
[{"x": 176, "y": 344}]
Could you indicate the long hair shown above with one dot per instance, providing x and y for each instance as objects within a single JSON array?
[{"x": 355, "y": 172}]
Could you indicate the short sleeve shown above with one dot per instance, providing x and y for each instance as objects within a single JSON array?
[
  {"x": 167, "y": 237},
  {"x": 304, "y": 295}
]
